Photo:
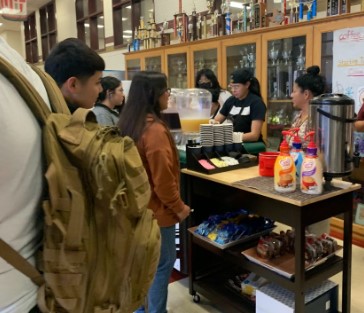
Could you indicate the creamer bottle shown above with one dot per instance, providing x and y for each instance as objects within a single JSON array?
[
  {"x": 311, "y": 169},
  {"x": 284, "y": 169},
  {"x": 296, "y": 152}
]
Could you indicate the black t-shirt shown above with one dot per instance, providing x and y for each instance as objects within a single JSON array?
[{"x": 243, "y": 112}]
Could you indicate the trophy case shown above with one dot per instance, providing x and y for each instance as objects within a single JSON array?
[
  {"x": 241, "y": 53},
  {"x": 284, "y": 59},
  {"x": 153, "y": 63},
  {"x": 132, "y": 65},
  {"x": 147, "y": 60},
  {"x": 205, "y": 56},
  {"x": 177, "y": 61}
]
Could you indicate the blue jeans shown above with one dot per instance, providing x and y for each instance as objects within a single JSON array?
[{"x": 158, "y": 292}]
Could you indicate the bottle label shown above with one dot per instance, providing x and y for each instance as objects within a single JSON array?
[
  {"x": 309, "y": 181},
  {"x": 284, "y": 174}
]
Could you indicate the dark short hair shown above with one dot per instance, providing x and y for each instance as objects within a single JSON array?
[
  {"x": 72, "y": 58},
  {"x": 108, "y": 83},
  {"x": 312, "y": 81}
]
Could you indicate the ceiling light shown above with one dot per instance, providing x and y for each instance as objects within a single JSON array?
[
  {"x": 128, "y": 7},
  {"x": 128, "y": 31}
]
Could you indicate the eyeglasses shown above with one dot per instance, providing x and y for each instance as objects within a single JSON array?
[
  {"x": 235, "y": 86},
  {"x": 165, "y": 90}
]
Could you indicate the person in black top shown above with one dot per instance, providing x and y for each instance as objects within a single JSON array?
[
  {"x": 245, "y": 108},
  {"x": 206, "y": 79}
]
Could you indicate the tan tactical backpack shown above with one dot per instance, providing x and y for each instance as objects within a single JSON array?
[{"x": 101, "y": 244}]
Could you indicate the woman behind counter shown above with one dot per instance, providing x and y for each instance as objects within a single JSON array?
[
  {"x": 141, "y": 120},
  {"x": 305, "y": 87},
  {"x": 207, "y": 79},
  {"x": 245, "y": 108}
]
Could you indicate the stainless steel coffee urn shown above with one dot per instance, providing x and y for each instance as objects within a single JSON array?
[{"x": 331, "y": 116}]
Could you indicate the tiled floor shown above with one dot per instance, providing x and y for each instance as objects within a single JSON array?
[{"x": 180, "y": 301}]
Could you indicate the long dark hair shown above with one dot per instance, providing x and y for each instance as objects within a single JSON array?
[
  {"x": 143, "y": 98},
  {"x": 312, "y": 81}
]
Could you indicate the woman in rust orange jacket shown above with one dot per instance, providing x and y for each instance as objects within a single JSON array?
[{"x": 141, "y": 120}]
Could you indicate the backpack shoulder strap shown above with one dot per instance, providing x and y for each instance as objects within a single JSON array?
[
  {"x": 55, "y": 95},
  {"x": 17, "y": 261}
]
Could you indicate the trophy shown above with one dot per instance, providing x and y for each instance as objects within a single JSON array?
[
  {"x": 244, "y": 63},
  {"x": 259, "y": 15},
  {"x": 180, "y": 26},
  {"x": 301, "y": 59},
  {"x": 164, "y": 37},
  {"x": 286, "y": 55},
  {"x": 245, "y": 17},
  {"x": 210, "y": 5},
  {"x": 180, "y": 72},
  {"x": 251, "y": 59},
  {"x": 273, "y": 55}
]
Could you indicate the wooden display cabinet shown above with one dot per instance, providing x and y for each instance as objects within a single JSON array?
[
  {"x": 177, "y": 62},
  {"x": 285, "y": 56},
  {"x": 145, "y": 60},
  {"x": 241, "y": 52}
]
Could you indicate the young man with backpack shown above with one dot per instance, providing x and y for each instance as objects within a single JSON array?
[{"x": 20, "y": 184}]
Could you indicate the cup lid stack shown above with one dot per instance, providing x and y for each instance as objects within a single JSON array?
[
  {"x": 206, "y": 135},
  {"x": 218, "y": 135},
  {"x": 228, "y": 133}
]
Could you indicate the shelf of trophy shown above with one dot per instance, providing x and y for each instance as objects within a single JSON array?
[
  {"x": 238, "y": 53},
  {"x": 284, "y": 57},
  {"x": 203, "y": 56},
  {"x": 133, "y": 65},
  {"x": 177, "y": 62}
]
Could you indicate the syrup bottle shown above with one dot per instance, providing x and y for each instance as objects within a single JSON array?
[
  {"x": 284, "y": 168},
  {"x": 311, "y": 169},
  {"x": 296, "y": 152}
]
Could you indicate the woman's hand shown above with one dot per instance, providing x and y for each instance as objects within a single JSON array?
[{"x": 184, "y": 213}]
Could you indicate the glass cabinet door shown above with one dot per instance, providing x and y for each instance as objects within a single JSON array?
[
  {"x": 177, "y": 70},
  {"x": 204, "y": 59},
  {"x": 240, "y": 56},
  {"x": 153, "y": 64},
  {"x": 132, "y": 66},
  {"x": 286, "y": 60}
]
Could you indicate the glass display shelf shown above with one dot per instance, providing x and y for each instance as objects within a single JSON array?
[
  {"x": 205, "y": 59},
  {"x": 286, "y": 59},
  {"x": 153, "y": 64},
  {"x": 177, "y": 70},
  {"x": 132, "y": 66},
  {"x": 240, "y": 56}
]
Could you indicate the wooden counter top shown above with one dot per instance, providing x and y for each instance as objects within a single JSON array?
[
  {"x": 232, "y": 178},
  {"x": 228, "y": 177}
]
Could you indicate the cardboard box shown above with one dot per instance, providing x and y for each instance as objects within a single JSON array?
[{"x": 272, "y": 298}]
